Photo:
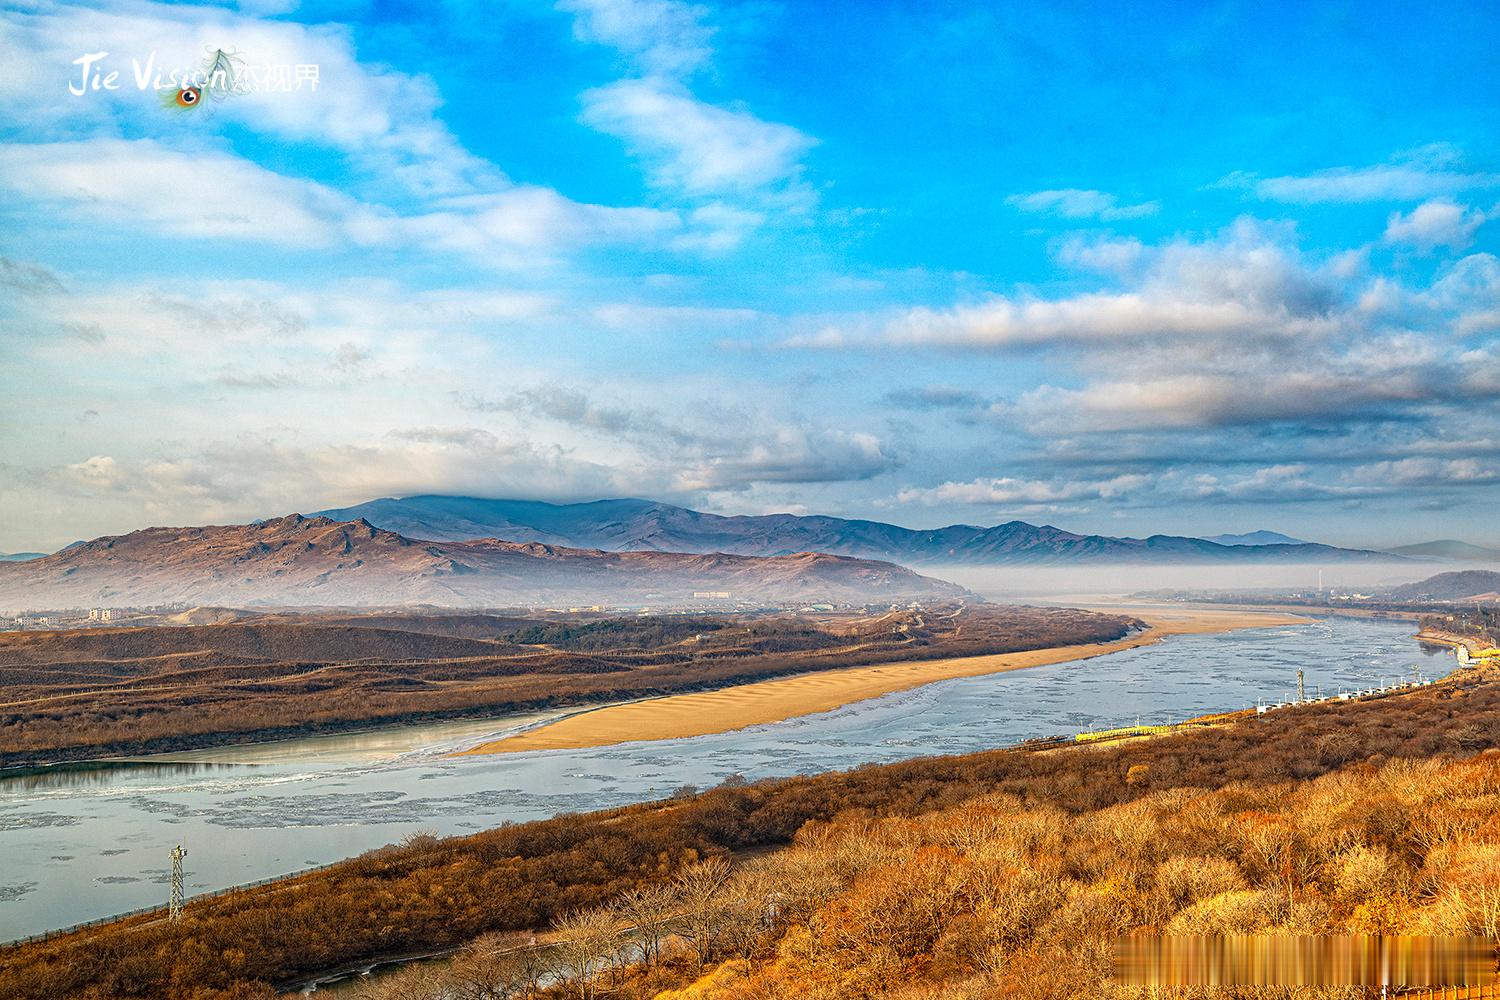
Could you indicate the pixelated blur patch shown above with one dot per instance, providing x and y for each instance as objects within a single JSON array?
[{"x": 1304, "y": 960}]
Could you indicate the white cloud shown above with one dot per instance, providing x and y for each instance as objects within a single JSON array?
[
  {"x": 736, "y": 448},
  {"x": 1073, "y": 203},
  {"x": 1111, "y": 256},
  {"x": 694, "y": 147},
  {"x": 245, "y": 479},
  {"x": 384, "y": 120},
  {"x": 1246, "y": 283},
  {"x": 1234, "y": 333},
  {"x": 664, "y": 37},
  {"x": 1009, "y": 491},
  {"x": 1276, "y": 483},
  {"x": 1416, "y": 471},
  {"x": 133, "y": 183},
  {"x": 1471, "y": 288},
  {"x": 733, "y": 168},
  {"x": 1423, "y": 173},
  {"x": 789, "y": 454},
  {"x": 1002, "y": 322},
  {"x": 1436, "y": 223},
  {"x": 96, "y": 474},
  {"x": 1281, "y": 483},
  {"x": 25, "y": 278},
  {"x": 205, "y": 194},
  {"x": 533, "y": 217},
  {"x": 1247, "y": 396},
  {"x": 417, "y": 184}
]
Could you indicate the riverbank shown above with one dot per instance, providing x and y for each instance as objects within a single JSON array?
[
  {"x": 1453, "y": 640},
  {"x": 728, "y": 709},
  {"x": 1324, "y": 610},
  {"x": 320, "y": 675},
  {"x": 430, "y": 896},
  {"x": 98, "y": 846}
]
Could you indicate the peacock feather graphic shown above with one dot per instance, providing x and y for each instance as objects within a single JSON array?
[{"x": 222, "y": 74}]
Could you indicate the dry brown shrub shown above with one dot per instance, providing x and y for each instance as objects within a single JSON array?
[
  {"x": 1362, "y": 872},
  {"x": 1239, "y": 911},
  {"x": 1187, "y": 879}
]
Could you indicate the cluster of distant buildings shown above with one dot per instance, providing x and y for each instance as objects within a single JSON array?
[
  {"x": 1331, "y": 595},
  {"x": 723, "y": 600},
  {"x": 96, "y": 616},
  {"x": 82, "y": 617}
]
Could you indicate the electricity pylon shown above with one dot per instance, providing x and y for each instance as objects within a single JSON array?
[{"x": 174, "y": 905}]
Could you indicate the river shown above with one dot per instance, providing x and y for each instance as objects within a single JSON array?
[{"x": 75, "y": 845}]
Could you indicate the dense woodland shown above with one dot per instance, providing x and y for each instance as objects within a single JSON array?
[
  {"x": 1000, "y": 898},
  {"x": 1088, "y": 835},
  {"x": 69, "y": 695}
]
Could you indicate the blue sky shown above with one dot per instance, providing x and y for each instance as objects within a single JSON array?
[{"x": 1127, "y": 269}]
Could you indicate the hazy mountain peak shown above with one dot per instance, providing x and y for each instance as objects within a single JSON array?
[
  {"x": 318, "y": 560},
  {"x": 1449, "y": 548},
  {"x": 1261, "y": 537},
  {"x": 636, "y": 524}
]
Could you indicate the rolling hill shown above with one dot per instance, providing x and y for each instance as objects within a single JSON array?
[
  {"x": 645, "y": 525},
  {"x": 318, "y": 561},
  {"x": 1460, "y": 586},
  {"x": 1449, "y": 548}
]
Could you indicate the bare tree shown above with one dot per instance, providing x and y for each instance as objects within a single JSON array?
[
  {"x": 749, "y": 911},
  {"x": 702, "y": 910},
  {"x": 649, "y": 909},
  {"x": 588, "y": 939},
  {"x": 491, "y": 968},
  {"x": 415, "y": 982},
  {"x": 532, "y": 967}
]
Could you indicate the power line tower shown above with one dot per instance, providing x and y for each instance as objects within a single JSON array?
[
  {"x": 174, "y": 905},
  {"x": 1301, "y": 687}
]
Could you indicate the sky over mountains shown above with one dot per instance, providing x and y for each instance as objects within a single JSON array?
[{"x": 1146, "y": 271}]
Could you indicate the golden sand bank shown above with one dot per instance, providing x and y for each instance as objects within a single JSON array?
[{"x": 702, "y": 713}]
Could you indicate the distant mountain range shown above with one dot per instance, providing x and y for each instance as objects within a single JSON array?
[
  {"x": 319, "y": 561},
  {"x": 1256, "y": 538},
  {"x": 1448, "y": 548},
  {"x": 20, "y": 556},
  {"x": 645, "y": 525}
]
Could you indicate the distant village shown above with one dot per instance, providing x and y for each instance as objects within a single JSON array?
[
  {"x": 86, "y": 617},
  {"x": 703, "y": 601}
]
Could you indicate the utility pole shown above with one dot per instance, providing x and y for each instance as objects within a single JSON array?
[{"x": 174, "y": 905}]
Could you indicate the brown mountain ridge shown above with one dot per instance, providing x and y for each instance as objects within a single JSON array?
[{"x": 317, "y": 561}]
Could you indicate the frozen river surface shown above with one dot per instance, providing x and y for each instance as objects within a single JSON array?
[{"x": 80, "y": 845}]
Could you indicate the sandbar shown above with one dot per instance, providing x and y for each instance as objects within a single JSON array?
[{"x": 702, "y": 713}]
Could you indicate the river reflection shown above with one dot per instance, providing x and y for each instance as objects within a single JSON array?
[
  {"x": 368, "y": 745},
  {"x": 98, "y": 772},
  {"x": 76, "y": 847}
]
